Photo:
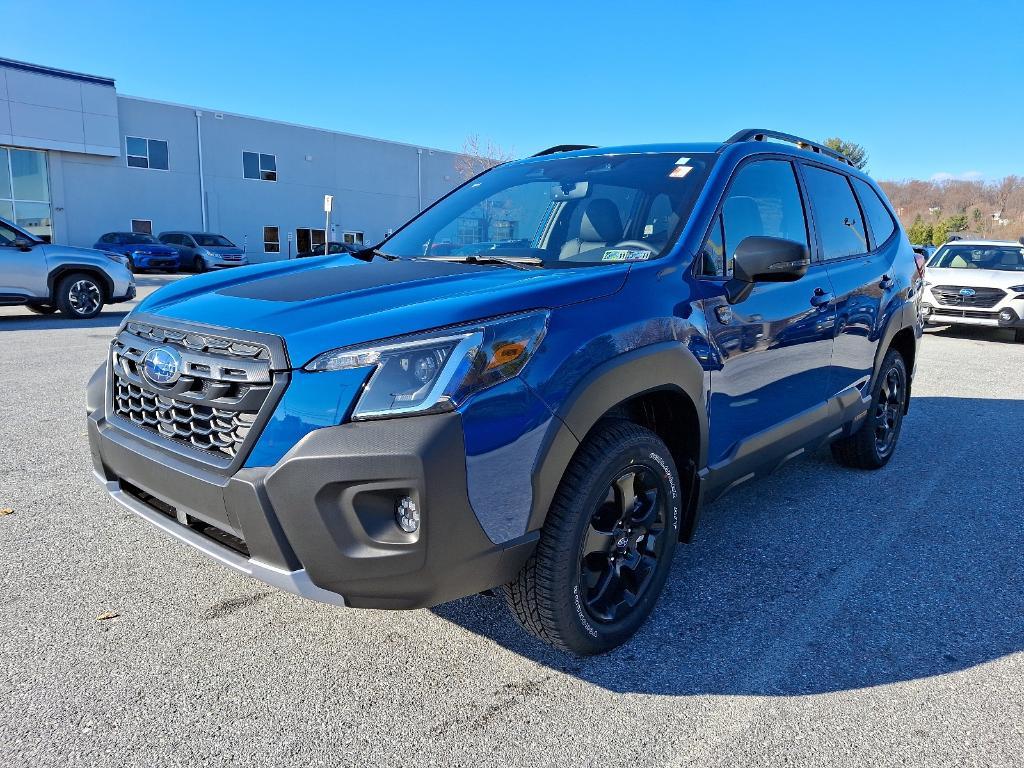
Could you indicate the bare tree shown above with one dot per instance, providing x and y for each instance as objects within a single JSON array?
[{"x": 477, "y": 157}]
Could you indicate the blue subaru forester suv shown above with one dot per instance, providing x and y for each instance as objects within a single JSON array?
[{"x": 533, "y": 385}]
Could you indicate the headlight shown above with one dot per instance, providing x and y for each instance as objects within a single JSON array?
[
  {"x": 122, "y": 260},
  {"x": 429, "y": 373},
  {"x": 928, "y": 283},
  {"x": 1017, "y": 288}
]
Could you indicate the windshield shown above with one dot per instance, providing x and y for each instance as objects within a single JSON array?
[
  {"x": 135, "y": 238},
  {"x": 565, "y": 211},
  {"x": 1005, "y": 258},
  {"x": 213, "y": 241}
]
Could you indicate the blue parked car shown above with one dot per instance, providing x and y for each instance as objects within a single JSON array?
[
  {"x": 143, "y": 251},
  {"x": 637, "y": 331}
]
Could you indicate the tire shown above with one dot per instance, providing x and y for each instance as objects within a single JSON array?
[
  {"x": 198, "y": 265},
  {"x": 79, "y": 296},
  {"x": 41, "y": 309},
  {"x": 874, "y": 443},
  {"x": 592, "y": 603},
  {"x": 131, "y": 264},
  {"x": 1018, "y": 335}
]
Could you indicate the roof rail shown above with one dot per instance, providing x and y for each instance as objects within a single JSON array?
[
  {"x": 761, "y": 134},
  {"x": 563, "y": 148}
]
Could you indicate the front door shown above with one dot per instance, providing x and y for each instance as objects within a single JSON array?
[
  {"x": 774, "y": 348},
  {"x": 22, "y": 273}
]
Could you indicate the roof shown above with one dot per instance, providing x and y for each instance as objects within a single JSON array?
[
  {"x": 67, "y": 74},
  {"x": 1011, "y": 243}
]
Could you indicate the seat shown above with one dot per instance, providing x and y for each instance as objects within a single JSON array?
[{"x": 600, "y": 227}]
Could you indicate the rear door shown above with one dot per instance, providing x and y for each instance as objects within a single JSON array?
[
  {"x": 774, "y": 348},
  {"x": 859, "y": 265}
]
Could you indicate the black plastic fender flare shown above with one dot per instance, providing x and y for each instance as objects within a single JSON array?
[{"x": 665, "y": 366}]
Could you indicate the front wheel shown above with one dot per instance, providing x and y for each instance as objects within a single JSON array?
[
  {"x": 606, "y": 547},
  {"x": 873, "y": 444},
  {"x": 198, "y": 264},
  {"x": 79, "y": 296}
]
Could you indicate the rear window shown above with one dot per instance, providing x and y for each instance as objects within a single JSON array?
[
  {"x": 836, "y": 214},
  {"x": 878, "y": 216}
]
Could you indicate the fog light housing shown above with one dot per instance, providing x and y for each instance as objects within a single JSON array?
[
  {"x": 407, "y": 515},
  {"x": 1007, "y": 316}
]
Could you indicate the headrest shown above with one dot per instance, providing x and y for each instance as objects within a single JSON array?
[{"x": 601, "y": 222}]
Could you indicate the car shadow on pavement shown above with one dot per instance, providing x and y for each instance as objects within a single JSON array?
[
  {"x": 822, "y": 579},
  {"x": 979, "y": 333},
  {"x": 30, "y": 322}
]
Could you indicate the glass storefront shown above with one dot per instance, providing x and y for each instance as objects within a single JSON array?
[{"x": 25, "y": 190}]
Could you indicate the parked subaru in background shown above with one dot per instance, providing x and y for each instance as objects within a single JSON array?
[
  {"x": 203, "y": 251},
  {"x": 142, "y": 251},
  {"x": 976, "y": 282},
  {"x": 45, "y": 278},
  {"x": 642, "y": 329}
]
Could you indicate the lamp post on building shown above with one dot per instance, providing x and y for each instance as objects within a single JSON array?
[{"x": 328, "y": 204}]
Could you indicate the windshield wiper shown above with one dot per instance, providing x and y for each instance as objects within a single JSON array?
[
  {"x": 367, "y": 254},
  {"x": 518, "y": 262}
]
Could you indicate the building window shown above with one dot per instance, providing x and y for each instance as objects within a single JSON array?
[
  {"x": 142, "y": 226},
  {"x": 256, "y": 165},
  {"x": 271, "y": 240},
  {"x": 146, "y": 153},
  {"x": 307, "y": 239},
  {"x": 25, "y": 191},
  {"x": 355, "y": 238}
]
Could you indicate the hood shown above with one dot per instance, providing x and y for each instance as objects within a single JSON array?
[
  {"x": 59, "y": 251},
  {"x": 223, "y": 250},
  {"x": 974, "y": 278},
  {"x": 337, "y": 301}
]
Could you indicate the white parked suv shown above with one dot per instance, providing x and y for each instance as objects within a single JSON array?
[{"x": 976, "y": 282}]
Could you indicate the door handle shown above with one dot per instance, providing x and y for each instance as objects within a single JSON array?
[
  {"x": 821, "y": 298},
  {"x": 886, "y": 283}
]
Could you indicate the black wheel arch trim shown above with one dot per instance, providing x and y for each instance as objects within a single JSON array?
[
  {"x": 664, "y": 366},
  {"x": 55, "y": 276},
  {"x": 904, "y": 319}
]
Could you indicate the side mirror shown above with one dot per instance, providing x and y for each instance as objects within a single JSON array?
[
  {"x": 765, "y": 260},
  {"x": 22, "y": 244}
]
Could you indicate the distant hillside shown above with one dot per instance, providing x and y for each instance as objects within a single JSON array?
[{"x": 930, "y": 209}]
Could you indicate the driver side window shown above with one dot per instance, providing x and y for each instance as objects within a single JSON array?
[{"x": 763, "y": 199}]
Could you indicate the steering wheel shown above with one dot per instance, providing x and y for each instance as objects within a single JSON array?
[{"x": 634, "y": 245}]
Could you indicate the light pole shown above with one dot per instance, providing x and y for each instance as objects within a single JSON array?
[{"x": 328, "y": 204}]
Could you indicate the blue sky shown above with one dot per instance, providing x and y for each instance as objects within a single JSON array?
[{"x": 928, "y": 87}]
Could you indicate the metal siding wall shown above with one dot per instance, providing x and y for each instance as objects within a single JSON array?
[{"x": 374, "y": 182}]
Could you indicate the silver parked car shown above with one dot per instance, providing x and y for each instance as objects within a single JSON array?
[
  {"x": 46, "y": 277},
  {"x": 202, "y": 251}
]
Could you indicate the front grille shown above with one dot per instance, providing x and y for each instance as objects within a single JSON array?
[
  {"x": 964, "y": 313},
  {"x": 982, "y": 297},
  {"x": 213, "y": 404}
]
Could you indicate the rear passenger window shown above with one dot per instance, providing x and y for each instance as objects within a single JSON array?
[
  {"x": 879, "y": 219},
  {"x": 763, "y": 199},
  {"x": 836, "y": 214}
]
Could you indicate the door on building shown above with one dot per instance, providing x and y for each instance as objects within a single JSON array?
[
  {"x": 306, "y": 238},
  {"x": 25, "y": 191}
]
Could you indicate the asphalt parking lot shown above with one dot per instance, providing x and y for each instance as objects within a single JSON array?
[{"x": 824, "y": 616}]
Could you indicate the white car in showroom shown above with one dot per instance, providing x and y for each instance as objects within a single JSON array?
[{"x": 976, "y": 282}]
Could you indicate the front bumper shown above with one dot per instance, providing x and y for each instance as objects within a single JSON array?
[
  {"x": 320, "y": 522},
  {"x": 146, "y": 261},
  {"x": 1003, "y": 317}
]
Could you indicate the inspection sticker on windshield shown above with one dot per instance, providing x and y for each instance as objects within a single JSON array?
[{"x": 625, "y": 254}]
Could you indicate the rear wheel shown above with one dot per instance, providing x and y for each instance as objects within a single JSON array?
[
  {"x": 606, "y": 547},
  {"x": 873, "y": 444},
  {"x": 79, "y": 296}
]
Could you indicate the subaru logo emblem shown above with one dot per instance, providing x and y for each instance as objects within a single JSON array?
[
  {"x": 967, "y": 291},
  {"x": 162, "y": 366}
]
